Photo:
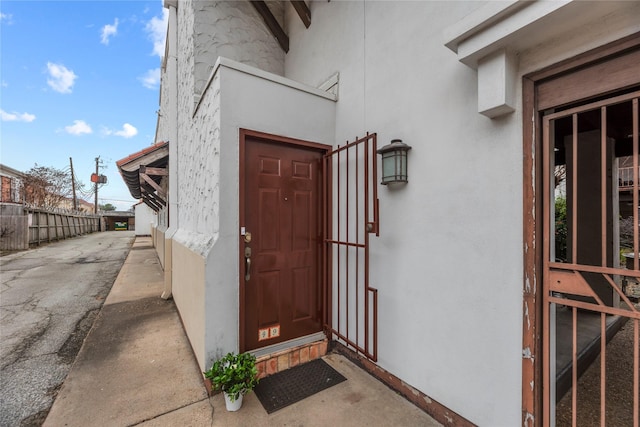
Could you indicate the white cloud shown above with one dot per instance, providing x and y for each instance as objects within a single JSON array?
[
  {"x": 127, "y": 131},
  {"x": 7, "y": 18},
  {"x": 151, "y": 79},
  {"x": 79, "y": 127},
  {"x": 16, "y": 117},
  {"x": 109, "y": 31},
  {"x": 61, "y": 79},
  {"x": 157, "y": 32}
]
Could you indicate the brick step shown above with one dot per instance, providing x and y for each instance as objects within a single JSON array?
[{"x": 273, "y": 363}]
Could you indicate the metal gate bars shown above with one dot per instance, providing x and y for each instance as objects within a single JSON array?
[
  {"x": 350, "y": 198},
  {"x": 589, "y": 196}
]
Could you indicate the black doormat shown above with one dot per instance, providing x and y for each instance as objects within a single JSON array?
[{"x": 291, "y": 386}]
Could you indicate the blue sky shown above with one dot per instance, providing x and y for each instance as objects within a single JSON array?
[{"x": 79, "y": 79}]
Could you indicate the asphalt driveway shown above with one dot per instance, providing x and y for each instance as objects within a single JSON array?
[{"x": 49, "y": 299}]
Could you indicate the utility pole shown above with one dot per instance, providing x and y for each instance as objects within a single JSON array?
[
  {"x": 96, "y": 186},
  {"x": 73, "y": 186}
]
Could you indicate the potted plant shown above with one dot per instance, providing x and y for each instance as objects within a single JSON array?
[{"x": 235, "y": 375}]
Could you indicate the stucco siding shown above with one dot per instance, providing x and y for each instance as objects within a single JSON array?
[
  {"x": 189, "y": 294},
  {"x": 210, "y": 180},
  {"x": 234, "y": 30},
  {"x": 197, "y": 162},
  {"x": 160, "y": 244},
  {"x": 621, "y": 22},
  {"x": 448, "y": 262},
  {"x": 199, "y": 183},
  {"x": 255, "y": 103},
  {"x": 204, "y": 33},
  {"x": 164, "y": 119},
  {"x": 234, "y": 100},
  {"x": 145, "y": 219}
]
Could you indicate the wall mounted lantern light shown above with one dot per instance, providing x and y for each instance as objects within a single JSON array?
[{"x": 394, "y": 162}]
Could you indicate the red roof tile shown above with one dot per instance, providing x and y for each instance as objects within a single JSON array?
[{"x": 141, "y": 153}]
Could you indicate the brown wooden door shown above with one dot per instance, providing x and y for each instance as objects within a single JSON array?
[{"x": 282, "y": 201}]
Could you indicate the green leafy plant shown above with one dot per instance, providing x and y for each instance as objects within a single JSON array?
[
  {"x": 234, "y": 374},
  {"x": 561, "y": 229}
]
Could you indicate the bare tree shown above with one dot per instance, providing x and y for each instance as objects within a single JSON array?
[
  {"x": 6, "y": 232},
  {"x": 626, "y": 232},
  {"x": 47, "y": 187}
]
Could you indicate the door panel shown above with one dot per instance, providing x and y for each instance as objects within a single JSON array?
[{"x": 282, "y": 214}]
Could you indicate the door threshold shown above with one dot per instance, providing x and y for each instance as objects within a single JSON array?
[{"x": 281, "y": 346}]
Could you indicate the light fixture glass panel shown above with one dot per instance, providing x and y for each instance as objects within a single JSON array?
[
  {"x": 403, "y": 165},
  {"x": 388, "y": 167}
]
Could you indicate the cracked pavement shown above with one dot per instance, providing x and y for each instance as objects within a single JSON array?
[{"x": 49, "y": 299}]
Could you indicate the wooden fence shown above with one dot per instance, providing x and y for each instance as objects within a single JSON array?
[{"x": 21, "y": 227}]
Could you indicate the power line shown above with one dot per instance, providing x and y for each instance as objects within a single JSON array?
[{"x": 118, "y": 200}]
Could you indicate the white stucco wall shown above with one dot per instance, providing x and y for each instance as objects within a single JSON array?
[
  {"x": 207, "y": 30},
  {"x": 186, "y": 263},
  {"x": 241, "y": 97},
  {"x": 234, "y": 30},
  {"x": 209, "y": 228},
  {"x": 163, "y": 128},
  {"x": 622, "y": 20},
  {"x": 205, "y": 244},
  {"x": 145, "y": 219},
  {"x": 448, "y": 262}
]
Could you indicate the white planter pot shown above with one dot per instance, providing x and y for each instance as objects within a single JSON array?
[{"x": 232, "y": 406}]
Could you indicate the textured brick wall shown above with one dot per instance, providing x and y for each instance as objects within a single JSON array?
[{"x": 6, "y": 190}]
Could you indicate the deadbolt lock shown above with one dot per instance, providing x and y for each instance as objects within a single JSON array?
[{"x": 247, "y": 237}]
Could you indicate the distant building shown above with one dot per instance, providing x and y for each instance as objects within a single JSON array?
[
  {"x": 11, "y": 181},
  {"x": 118, "y": 220},
  {"x": 145, "y": 219},
  {"x": 81, "y": 205},
  {"x": 85, "y": 206},
  {"x": 11, "y": 184}
]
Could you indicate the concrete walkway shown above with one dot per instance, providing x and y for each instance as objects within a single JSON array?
[{"x": 136, "y": 367}]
